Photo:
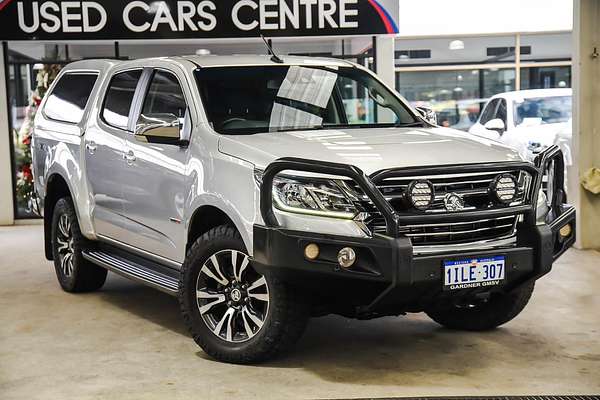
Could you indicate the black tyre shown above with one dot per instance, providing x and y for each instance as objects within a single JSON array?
[
  {"x": 481, "y": 316},
  {"x": 74, "y": 273},
  {"x": 233, "y": 313}
]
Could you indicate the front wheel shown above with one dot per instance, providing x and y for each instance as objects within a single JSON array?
[
  {"x": 481, "y": 316},
  {"x": 234, "y": 313}
]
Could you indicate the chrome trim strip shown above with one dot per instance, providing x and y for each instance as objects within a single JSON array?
[
  {"x": 461, "y": 182},
  {"x": 448, "y": 233},
  {"x": 439, "y": 184},
  {"x": 448, "y": 176},
  {"x": 463, "y": 192},
  {"x": 457, "y": 223},
  {"x": 472, "y": 246},
  {"x": 166, "y": 261}
]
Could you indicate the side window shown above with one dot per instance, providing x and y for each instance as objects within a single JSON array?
[
  {"x": 501, "y": 111},
  {"x": 119, "y": 97},
  {"x": 488, "y": 112},
  {"x": 69, "y": 97},
  {"x": 164, "y": 96}
]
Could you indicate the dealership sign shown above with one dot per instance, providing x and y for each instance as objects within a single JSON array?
[{"x": 173, "y": 19}]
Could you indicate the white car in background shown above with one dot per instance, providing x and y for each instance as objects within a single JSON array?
[{"x": 528, "y": 121}]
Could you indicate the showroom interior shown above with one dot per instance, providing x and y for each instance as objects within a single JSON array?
[{"x": 451, "y": 57}]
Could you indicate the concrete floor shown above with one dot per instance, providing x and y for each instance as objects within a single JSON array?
[{"x": 128, "y": 341}]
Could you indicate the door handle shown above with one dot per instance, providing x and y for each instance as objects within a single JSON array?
[
  {"x": 91, "y": 147},
  {"x": 129, "y": 157}
]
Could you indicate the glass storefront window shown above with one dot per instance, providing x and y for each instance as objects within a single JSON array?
[
  {"x": 456, "y": 96},
  {"x": 497, "y": 81},
  {"x": 432, "y": 71},
  {"x": 451, "y": 94},
  {"x": 546, "y": 77}
]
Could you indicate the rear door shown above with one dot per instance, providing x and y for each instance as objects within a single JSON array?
[
  {"x": 105, "y": 147},
  {"x": 157, "y": 186}
]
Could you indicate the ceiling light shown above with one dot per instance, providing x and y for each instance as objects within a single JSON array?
[{"x": 456, "y": 45}]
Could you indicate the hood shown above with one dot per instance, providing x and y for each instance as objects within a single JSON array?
[
  {"x": 544, "y": 134},
  {"x": 369, "y": 149}
]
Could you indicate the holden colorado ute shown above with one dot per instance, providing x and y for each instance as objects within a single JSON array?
[{"x": 261, "y": 191}]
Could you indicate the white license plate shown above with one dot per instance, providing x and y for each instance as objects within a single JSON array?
[{"x": 473, "y": 273}]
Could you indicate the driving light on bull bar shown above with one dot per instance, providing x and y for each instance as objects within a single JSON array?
[
  {"x": 421, "y": 194},
  {"x": 504, "y": 188},
  {"x": 346, "y": 257}
]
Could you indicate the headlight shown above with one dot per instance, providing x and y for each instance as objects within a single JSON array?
[{"x": 313, "y": 196}]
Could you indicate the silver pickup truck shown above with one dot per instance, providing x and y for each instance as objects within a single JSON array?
[{"x": 262, "y": 191}]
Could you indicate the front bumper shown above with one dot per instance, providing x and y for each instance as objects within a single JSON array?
[{"x": 387, "y": 277}]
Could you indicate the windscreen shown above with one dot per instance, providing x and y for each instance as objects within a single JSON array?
[
  {"x": 543, "y": 110},
  {"x": 257, "y": 99}
]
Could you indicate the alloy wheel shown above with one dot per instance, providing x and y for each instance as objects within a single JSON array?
[
  {"x": 232, "y": 298},
  {"x": 64, "y": 239}
]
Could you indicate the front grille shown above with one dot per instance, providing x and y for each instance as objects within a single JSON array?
[
  {"x": 453, "y": 233},
  {"x": 473, "y": 188}
]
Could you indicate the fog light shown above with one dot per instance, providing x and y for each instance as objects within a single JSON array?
[
  {"x": 346, "y": 257},
  {"x": 311, "y": 251},
  {"x": 565, "y": 231}
]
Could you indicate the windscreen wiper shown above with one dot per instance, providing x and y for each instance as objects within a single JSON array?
[{"x": 300, "y": 128}]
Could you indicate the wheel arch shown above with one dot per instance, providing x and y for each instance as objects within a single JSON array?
[
  {"x": 207, "y": 217},
  {"x": 56, "y": 188}
]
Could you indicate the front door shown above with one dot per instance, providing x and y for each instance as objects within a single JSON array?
[
  {"x": 105, "y": 144},
  {"x": 157, "y": 186}
]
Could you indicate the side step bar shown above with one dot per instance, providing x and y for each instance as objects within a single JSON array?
[{"x": 133, "y": 270}]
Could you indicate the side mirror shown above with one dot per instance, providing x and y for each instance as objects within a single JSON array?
[
  {"x": 495, "y": 124},
  {"x": 159, "y": 128},
  {"x": 428, "y": 114}
]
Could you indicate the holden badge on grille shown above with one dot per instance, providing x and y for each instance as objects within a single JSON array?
[{"x": 453, "y": 202}]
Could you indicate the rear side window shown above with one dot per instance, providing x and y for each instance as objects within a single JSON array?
[
  {"x": 119, "y": 97},
  {"x": 69, "y": 97}
]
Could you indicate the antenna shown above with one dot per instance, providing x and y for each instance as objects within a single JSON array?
[{"x": 275, "y": 57}]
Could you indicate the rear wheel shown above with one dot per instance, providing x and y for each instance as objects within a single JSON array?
[
  {"x": 234, "y": 313},
  {"x": 481, "y": 316},
  {"x": 74, "y": 273}
]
